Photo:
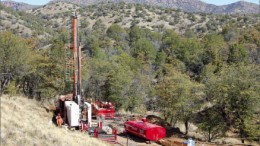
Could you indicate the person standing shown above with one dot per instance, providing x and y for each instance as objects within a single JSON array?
[{"x": 59, "y": 120}]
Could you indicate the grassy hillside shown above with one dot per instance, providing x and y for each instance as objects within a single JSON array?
[{"x": 25, "y": 123}]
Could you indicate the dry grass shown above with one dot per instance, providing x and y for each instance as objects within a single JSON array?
[{"x": 25, "y": 123}]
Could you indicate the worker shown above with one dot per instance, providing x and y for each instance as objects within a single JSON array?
[
  {"x": 59, "y": 120},
  {"x": 84, "y": 114}
]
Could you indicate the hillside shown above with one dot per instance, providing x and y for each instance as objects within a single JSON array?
[
  {"x": 126, "y": 15},
  {"x": 43, "y": 20},
  {"x": 47, "y": 20},
  {"x": 18, "y": 5},
  {"x": 22, "y": 23},
  {"x": 186, "y": 5},
  {"x": 24, "y": 122}
]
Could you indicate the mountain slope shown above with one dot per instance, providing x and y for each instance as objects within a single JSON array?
[
  {"x": 18, "y": 5},
  {"x": 23, "y": 23},
  {"x": 42, "y": 22},
  {"x": 186, "y": 5},
  {"x": 24, "y": 122},
  {"x": 238, "y": 7},
  {"x": 126, "y": 15}
]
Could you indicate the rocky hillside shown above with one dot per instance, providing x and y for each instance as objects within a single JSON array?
[
  {"x": 18, "y": 5},
  {"x": 186, "y": 5}
]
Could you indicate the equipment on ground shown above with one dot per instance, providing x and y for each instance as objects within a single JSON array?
[
  {"x": 145, "y": 130},
  {"x": 106, "y": 109}
]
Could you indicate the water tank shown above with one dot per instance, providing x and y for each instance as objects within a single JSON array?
[{"x": 145, "y": 130}]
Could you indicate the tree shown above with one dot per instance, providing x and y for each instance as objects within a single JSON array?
[
  {"x": 191, "y": 53},
  {"x": 121, "y": 85},
  {"x": 211, "y": 123},
  {"x": 116, "y": 32},
  {"x": 234, "y": 91},
  {"x": 213, "y": 44},
  {"x": 178, "y": 96},
  {"x": 15, "y": 54},
  {"x": 171, "y": 43},
  {"x": 98, "y": 72},
  {"x": 144, "y": 50},
  {"x": 135, "y": 34},
  {"x": 237, "y": 54},
  {"x": 230, "y": 33}
]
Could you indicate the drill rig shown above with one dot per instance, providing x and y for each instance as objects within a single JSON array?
[{"x": 72, "y": 107}]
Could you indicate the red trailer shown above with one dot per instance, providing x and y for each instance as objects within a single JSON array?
[{"x": 145, "y": 130}]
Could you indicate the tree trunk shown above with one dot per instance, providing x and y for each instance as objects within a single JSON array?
[
  {"x": 4, "y": 83},
  {"x": 165, "y": 118},
  {"x": 186, "y": 127},
  {"x": 171, "y": 120},
  {"x": 242, "y": 135},
  {"x": 0, "y": 90},
  {"x": 209, "y": 135}
]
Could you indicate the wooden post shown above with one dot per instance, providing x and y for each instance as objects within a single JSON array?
[{"x": 127, "y": 139}]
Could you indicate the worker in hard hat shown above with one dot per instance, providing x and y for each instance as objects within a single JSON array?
[{"x": 59, "y": 120}]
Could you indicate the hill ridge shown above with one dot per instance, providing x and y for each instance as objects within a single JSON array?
[
  {"x": 186, "y": 5},
  {"x": 239, "y": 7},
  {"x": 18, "y": 5}
]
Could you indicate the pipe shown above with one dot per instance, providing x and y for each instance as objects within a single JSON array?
[
  {"x": 75, "y": 51},
  {"x": 89, "y": 113}
]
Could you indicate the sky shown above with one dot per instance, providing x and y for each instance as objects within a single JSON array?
[{"x": 216, "y": 2}]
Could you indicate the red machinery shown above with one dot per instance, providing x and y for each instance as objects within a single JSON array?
[
  {"x": 106, "y": 109},
  {"x": 145, "y": 130}
]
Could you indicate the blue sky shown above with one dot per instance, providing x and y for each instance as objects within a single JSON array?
[{"x": 216, "y": 2}]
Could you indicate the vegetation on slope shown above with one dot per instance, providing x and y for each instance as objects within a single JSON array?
[
  {"x": 22, "y": 23},
  {"x": 240, "y": 7},
  {"x": 153, "y": 18}
]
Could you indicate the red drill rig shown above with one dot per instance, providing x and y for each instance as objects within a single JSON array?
[
  {"x": 70, "y": 106},
  {"x": 73, "y": 108}
]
